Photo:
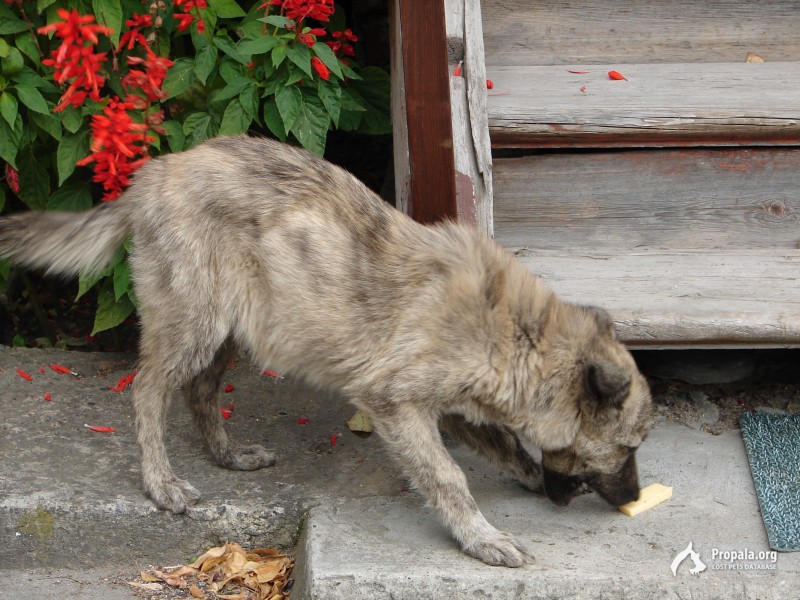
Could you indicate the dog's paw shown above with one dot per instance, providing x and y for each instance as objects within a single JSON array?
[
  {"x": 249, "y": 458},
  {"x": 175, "y": 495},
  {"x": 502, "y": 550}
]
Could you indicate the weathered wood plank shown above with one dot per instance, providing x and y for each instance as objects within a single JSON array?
[
  {"x": 426, "y": 92},
  {"x": 703, "y": 199},
  {"x": 664, "y": 104},
  {"x": 689, "y": 298},
  {"x": 550, "y": 32}
]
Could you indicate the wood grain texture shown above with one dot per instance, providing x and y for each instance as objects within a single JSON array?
[
  {"x": 689, "y": 298},
  {"x": 696, "y": 199},
  {"x": 659, "y": 105},
  {"x": 426, "y": 90},
  {"x": 551, "y": 32}
]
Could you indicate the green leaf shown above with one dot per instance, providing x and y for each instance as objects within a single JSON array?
[
  {"x": 9, "y": 108},
  {"x": 109, "y": 13},
  {"x": 289, "y": 101},
  {"x": 34, "y": 181},
  {"x": 41, "y": 5},
  {"x": 277, "y": 21},
  {"x": 330, "y": 92},
  {"x": 175, "y": 136},
  {"x": 32, "y": 98},
  {"x": 49, "y": 123},
  {"x": 122, "y": 279},
  {"x": 300, "y": 55},
  {"x": 311, "y": 126},
  {"x": 205, "y": 61},
  {"x": 197, "y": 129},
  {"x": 273, "y": 120},
  {"x": 110, "y": 311},
  {"x": 260, "y": 45},
  {"x": 250, "y": 101},
  {"x": 227, "y": 9},
  {"x": 328, "y": 58},
  {"x": 86, "y": 283},
  {"x": 73, "y": 197},
  {"x": 10, "y": 137},
  {"x": 229, "y": 69},
  {"x": 224, "y": 43},
  {"x": 373, "y": 92},
  {"x": 179, "y": 77},
  {"x": 278, "y": 55},
  {"x": 26, "y": 44},
  {"x": 235, "y": 121},
  {"x": 29, "y": 77},
  {"x": 9, "y": 22},
  {"x": 234, "y": 88},
  {"x": 71, "y": 149},
  {"x": 5, "y": 49},
  {"x": 71, "y": 119},
  {"x": 13, "y": 63}
]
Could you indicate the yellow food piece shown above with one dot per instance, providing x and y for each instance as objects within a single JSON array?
[
  {"x": 360, "y": 422},
  {"x": 653, "y": 494}
]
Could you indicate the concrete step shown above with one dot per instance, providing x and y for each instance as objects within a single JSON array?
[{"x": 388, "y": 548}]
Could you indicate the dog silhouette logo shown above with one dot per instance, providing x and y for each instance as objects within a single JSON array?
[{"x": 699, "y": 565}]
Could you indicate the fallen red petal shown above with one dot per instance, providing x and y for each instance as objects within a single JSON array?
[
  {"x": 578, "y": 72},
  {"x": 269, "y": 373},
  {"x": 616, "y": 76},
  {"x": 583, "y": 89},
  {"x": 302, "y": 421},
  {"x": 24, "y": 375},
  {"x": 228, "y": 388},
  {"x": 61, "y": 369},
  {"x": 457, "y": 71},
  {"x": 124, "y": 382},
  {"x": 489, "y": 84},
  {"x": 47, "y": 396},
  {"x": 226, "y": 413},
  {"x": 333, "y": 439},
  {"x": 100, "y": 428},
  {"x": 41, "y": 370}
]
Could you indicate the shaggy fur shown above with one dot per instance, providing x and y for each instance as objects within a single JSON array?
[{"x": 251, "y": 243}]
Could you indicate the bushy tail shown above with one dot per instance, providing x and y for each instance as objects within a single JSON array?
[{"x": 65, "y": 243}]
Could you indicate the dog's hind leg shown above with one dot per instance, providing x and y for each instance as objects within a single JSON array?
[
  {"x": 201, "y": 398},
  {"x": 500, "y": 445}
]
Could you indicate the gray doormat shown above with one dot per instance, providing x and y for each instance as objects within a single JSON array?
[{"x": 773, "y": 449}]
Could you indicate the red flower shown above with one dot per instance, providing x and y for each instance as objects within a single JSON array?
[
  {"x": 12, "y": 178},
  {"x": 151, "y": 79},
  {"x": 299, "y": 10},
  {"x": 133, "y": 35},
  {"x": 184, "y": 21},
  {"x": 119, "y": 148},
  {"x": 320, "y": 68},
  {"x": 75, "y": 58}
]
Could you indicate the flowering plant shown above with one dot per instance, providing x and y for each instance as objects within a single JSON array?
[{"x": 91, "y": 89}]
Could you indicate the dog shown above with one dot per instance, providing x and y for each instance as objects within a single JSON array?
[{"x": 252, "y": 244}]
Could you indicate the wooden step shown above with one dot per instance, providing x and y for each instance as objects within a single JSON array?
[
  {"x": 693, "y": 247},
  {"x": 558, "y": 32},
  {"x": 677, "y": 104}
]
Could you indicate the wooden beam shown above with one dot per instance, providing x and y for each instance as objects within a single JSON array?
[{"x": 422, "y": 46}]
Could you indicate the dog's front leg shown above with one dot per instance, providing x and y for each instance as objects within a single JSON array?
[
  {"x": 500, "y": 445},
  {"x": 413, "y": 436}
]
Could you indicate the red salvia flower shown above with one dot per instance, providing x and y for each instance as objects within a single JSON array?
[
  {"x": 299, "y": 10},
  {"x": 75, "y": 58},
  {"x": 184, "y": 21},
  {"x": 151, "y": 79},
  {"x": 134, "y": 34},
  {"x": 12, "y": 178},
  {"x": 320, "y": 68},
  {"x": 119, "y": 148}
]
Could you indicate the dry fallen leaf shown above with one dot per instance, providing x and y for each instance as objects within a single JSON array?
[
  {"x": 228, "y": 572},
  {"x": 753, "y": 58},
  {"x": 360, "y": 422},
  {"x": 150, "y": 587}
]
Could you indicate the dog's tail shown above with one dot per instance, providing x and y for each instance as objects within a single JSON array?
[{"x": 65, "y": 243}]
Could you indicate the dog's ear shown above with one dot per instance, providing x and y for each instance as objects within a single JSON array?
[{"x": 607, "y": 383}]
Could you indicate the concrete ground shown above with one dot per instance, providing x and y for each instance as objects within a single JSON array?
[{"x": 74, "y": 522}]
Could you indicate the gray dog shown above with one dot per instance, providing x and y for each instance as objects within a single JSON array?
[{"x": 252, "y": 243}]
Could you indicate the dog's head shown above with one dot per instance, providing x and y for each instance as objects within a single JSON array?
[{"x": 615, "y": 413}]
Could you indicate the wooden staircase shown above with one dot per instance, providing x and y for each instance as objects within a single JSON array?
[{"x": 671, "y": 197}]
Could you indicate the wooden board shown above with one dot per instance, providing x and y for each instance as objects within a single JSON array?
[
  {"x": 659, "y": 105},
  {"x": 550, "y": 32},
  {"x": 683, "y": 299},
  {"x": 701, "y": 198}
]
